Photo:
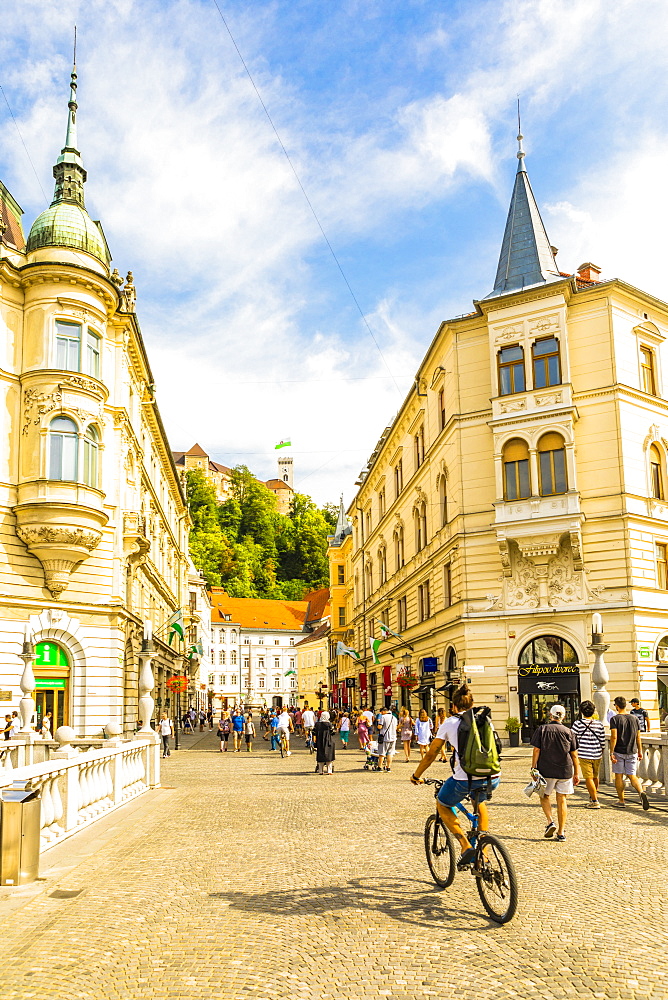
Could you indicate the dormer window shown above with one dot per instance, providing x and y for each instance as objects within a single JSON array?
[
  {"x": 546, "y": 367},
  {"x": 511, "y": 370}
]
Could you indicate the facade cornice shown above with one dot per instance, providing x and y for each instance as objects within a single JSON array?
[{"x": 56, "y": 271}]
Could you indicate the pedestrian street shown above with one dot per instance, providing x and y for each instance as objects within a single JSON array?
[{"x": 250, "y": 876}]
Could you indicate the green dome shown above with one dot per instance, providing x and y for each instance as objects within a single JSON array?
[{"x": 67, "y": 225}]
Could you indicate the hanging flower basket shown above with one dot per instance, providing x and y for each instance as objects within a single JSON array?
[{"x": 407, "y": 680}]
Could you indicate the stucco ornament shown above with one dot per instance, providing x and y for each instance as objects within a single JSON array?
[{"x": 59, "y": 549}]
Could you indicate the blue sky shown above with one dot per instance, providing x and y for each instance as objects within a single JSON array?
[{"x": 399, "y": 116}]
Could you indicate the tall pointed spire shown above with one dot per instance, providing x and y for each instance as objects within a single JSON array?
[
  {"x": 342, "y": 526},
  {"x": 68, "y": 169},
  {"x": 526, "y": 255}
]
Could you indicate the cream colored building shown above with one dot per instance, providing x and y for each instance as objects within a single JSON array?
[
  {"x": 312, "y": 665},
  {"x": 343, "y": 670},
  {"x": 93, "y": 524},
  {"x": 522, "y": 487}
]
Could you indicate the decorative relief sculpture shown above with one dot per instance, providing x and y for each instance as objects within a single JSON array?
[
  {"x": 37, "y": 404},
  {"x": 87, "y": 384},
  {"x": 511, "y": 332},
  {"x": 512, "y": 406},
  {"x": 563, "y": 585},
  {"x": 549, "y": 399},
  {"x": 59, "y": 549},
  {"x": 522, "y": 591},
  {"x": 130, "y": 293},
  {"x": 545, "y": 324}
]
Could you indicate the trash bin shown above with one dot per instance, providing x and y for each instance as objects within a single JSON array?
[{"x": 19, "y": 834}]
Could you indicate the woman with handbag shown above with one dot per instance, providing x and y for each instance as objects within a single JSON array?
[{"x": 406, "y": 732}]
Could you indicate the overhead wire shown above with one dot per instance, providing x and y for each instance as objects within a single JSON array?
[
  {"x": 16, "y": 124},
  {"x": 306, "y": 197}
]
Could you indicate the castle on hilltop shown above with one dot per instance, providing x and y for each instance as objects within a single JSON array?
[{"x": 221, "y": 476}]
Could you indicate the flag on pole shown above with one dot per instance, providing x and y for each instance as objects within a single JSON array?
[
  {"x": 386, "y": 631},
  {"x": 288, "y": 672},
  {"x": 343, "y": 650},
  {"x": 176, "y": 627},
  {"x": 283, "y": 444},
  {"x": 195, "y": 651},
  {"x": 375, "y": 646}
]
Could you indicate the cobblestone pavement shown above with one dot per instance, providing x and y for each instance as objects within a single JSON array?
[{"x": 249, "y": 876}]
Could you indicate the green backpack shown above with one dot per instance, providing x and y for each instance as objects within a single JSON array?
[{"x": 478, "y": 745}]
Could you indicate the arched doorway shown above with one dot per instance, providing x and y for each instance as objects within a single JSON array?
[
  {"x": 52, "y": 681},
  {"x": 547, "y": 674}
]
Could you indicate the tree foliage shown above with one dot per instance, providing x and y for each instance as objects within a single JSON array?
[{"x": 246, "y": 546}]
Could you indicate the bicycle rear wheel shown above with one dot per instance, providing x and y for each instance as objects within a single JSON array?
[
  {"x": 496, "y": 880},
  {"x": 281, "y": 746},
  {"x": 439, "y": 846}
]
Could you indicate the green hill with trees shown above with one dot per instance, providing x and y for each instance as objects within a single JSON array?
[{"x": 247, "y": 547}]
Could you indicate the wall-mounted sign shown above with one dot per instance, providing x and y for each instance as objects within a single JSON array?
[
  {"x": 474, "y": 668},
  {"x": 350, "y": 682},
  {"x": 513, "y": 689},
  {"x": 5, "y": 695},
  {"x": 644, "y": 651},
  {"x": 536, "y": 669},
  {"x": 51, "y": 682},
  {"x": 429, "y": 664},
  {"x": 500, "y": 697}
]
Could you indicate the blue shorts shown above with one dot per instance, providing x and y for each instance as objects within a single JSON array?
[{"x": 452, "y": 791}]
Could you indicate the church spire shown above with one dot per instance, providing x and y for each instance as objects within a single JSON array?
[
  {"x": 342, "y": 526},
  {"x": 526, "y": 255},
  {"x": 68, "y": 169}
]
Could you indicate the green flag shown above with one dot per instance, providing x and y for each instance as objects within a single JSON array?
[
  {"x": 386, "y": 631},
  {"x": 283, "y": 444},
  {"x": 176, "y": 628},
  {"x": 343, "y": 650},
  {"x": 375, "y": 646},
  {"x": 288, "y": 672}
]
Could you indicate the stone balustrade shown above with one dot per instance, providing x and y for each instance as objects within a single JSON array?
[
  {"x": 78, "y": 787},
  {"x": 652, "y": 769}
]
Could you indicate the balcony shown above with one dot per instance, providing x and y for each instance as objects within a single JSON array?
[{"x": 532, "y": 403}]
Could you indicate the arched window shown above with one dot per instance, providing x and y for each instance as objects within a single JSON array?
[
  {"x": 233, "y": 658},
  {"x": 656, "y": 475},
  {"x": 382, "y": 565},
  {"x": 399, "y": 547},
  {"x": 368, "y": 577},
  {"x": 63, "y": 449},
  {"x": 91, "y": 450},
  {"x": 420, "y": 519},
  {"x": 443, "y": 500},
  {"x": 552, "y": 465},
  {"x": 547, "y": 649},
  {"x": 516, "y": 478}
]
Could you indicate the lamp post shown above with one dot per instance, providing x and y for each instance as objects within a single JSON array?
[
  {"x": 406, "y": 661},
  {"x": 599, "y": 673}
]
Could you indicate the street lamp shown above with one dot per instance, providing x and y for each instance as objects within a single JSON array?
[{"x": 321, "y": 692}]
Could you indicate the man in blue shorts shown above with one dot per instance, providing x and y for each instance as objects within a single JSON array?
[
  {"x": 237, "y": 728},
  {"x": 456, "y": 789}
]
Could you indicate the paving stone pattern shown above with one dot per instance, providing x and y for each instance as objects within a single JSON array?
[{"x": 252, "y": 877}]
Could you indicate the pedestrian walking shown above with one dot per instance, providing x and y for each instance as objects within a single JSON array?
[
  {"x": 249, "y": 732},
  {"x": 237, "y": 729},
  {"x": 7, "y": 730},
  {"x": 590, "y": 736},
  {"x": 46, "y": 726},
  {"x": 625, "y": 752},
  {"x": 387, "y": 739},
  {"x": 406, "y": 732},
  {"x": 363, "y": 731},
  {"x": 165, "y": 730},
  {"x": 441, "y": 716},
  {"x": 209, "y": 718},
  {"x": 224, "y": 727},
  {"x": 273, "y": 725},
  {"x": 640, "y": 714},
  {"x": 344, "y": 730},
  {"x": 202, "y": 720},
  {"x": 555, "y": 757},
  {"x": 16, "y": 725},
  {"x": 423, "y": 730},
  {"x": 325, "y": 750}
]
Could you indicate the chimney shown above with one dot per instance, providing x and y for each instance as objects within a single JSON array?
[{"x": 589, "y": 272}]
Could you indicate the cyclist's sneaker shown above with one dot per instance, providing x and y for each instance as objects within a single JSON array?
[
  {"x": 561, "y": 837},
  {"x": 289, "y": 753},
  {"x": 593, "y": 804},
  {"x": 550, "y": 830},
  {"x": 644, "y": 800},
  {"x": 467, "y": 859}
]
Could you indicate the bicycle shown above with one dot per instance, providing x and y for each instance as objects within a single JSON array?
[
  {"x": 492, "y": 867},
  {"x": 310, "y": 742},
  {"x": 283, "y": 744}
]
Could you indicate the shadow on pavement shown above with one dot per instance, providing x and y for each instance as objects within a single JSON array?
[{"x": 412, "y": 901}]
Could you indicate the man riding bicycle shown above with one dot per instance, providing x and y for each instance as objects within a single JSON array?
[
  {"x": 284, "y": 728},
  {"x": 458, "y": 787}
]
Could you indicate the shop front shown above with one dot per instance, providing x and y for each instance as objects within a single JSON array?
[
  {"x": 547, "y": 674},
  {"x": 52, "y": 680}
]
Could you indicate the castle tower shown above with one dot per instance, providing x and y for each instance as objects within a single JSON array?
[{"x": 285, "y": 470}]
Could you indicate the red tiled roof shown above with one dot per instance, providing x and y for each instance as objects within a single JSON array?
[
  {"x": 318, "y": 604},
  {"x": 274, "y": 484},
  {"x": 197, "y": 451},
  {"x": 255, "y": 612},
  {"x": 217, "y": 467},
  {"x": 319, "y": 633}
]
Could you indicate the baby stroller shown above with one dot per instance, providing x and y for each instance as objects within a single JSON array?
[{"x": 372, "y": 757}]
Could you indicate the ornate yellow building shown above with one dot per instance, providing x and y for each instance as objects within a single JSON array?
[
  {"x": 521, "y": 487},
  {"x": 93, "y": 532}
]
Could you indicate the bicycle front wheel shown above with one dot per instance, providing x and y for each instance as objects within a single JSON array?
[
  {"x": 439, "y": 846},
  {"x": 496, "y": 880}
]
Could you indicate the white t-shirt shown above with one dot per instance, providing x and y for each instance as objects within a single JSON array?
[
  {"x": 308, "y": 719},
  {"x": 368, "y": 716},
  {"x": 345, "y": 725},
  {"x": 448, "y": 731},
  {"x": 16, "y": 725},
  {"x": 387, "y": 728},
  {"x": 284, "y": 721},
  {"x": 165, "y": 727}
]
